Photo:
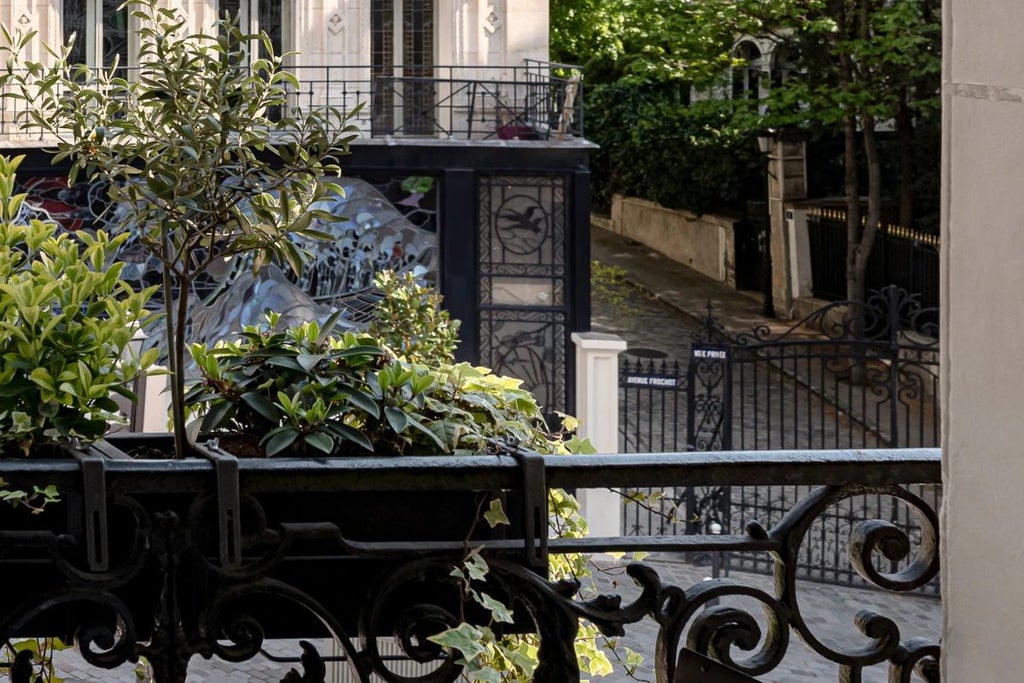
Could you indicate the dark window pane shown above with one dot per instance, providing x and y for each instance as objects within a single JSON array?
[
  {"x": 418, "y": 58},
  {"x": 382, "y": 59},
  {"x": 115, "y": 32},
  {"x": 270, "y": 21},
  {"x": 74, "y": 20},
  {"x": 231, "y": 7}
]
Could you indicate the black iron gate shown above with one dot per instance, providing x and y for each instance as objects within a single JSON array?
[
  {"x": 667, "y": 409},
  {"x": 817, "y": 385}
]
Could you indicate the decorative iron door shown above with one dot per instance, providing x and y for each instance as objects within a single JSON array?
[{"x": 523, "y": 298}]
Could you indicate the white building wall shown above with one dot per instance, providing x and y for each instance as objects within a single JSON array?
[
  {"x": 983, "y": 339},
  {"x": 469, "y": 32}
]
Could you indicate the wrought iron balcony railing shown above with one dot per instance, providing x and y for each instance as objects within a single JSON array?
[
  {"x": 201, "y": 598},
  {"x": 532, "y": 101}
]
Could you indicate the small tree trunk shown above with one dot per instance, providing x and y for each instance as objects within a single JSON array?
[
  {"x": 905, "y": 134},
  {"x": 874, "y": 215},
  {"x": 853, "y": 221},
  {"x": 175, "y": 326}
]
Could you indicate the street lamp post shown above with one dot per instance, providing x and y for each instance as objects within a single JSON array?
[{"x": 764, "y": 145}]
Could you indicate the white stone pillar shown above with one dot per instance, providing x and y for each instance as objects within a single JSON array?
[
  {"x": 982, "y": 333},
  {"x": 597, "y": 408},
  {"x": 787, "y": 180},
  {"x": 154, "y": 403},
  {"x": 800, "y": 280}
]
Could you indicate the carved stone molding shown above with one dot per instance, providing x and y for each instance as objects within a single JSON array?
[{"x": 492, "y": 20}]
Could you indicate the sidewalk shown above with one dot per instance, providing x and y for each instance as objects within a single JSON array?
[{"x": 682, "y": 288}]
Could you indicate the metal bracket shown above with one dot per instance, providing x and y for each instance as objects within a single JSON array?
[
  {"x": 694, "y": 667},
  {"x": 229, "y": 506},
  {"x": 94, "y": 502},
  {"x": 535, "y": 508}
]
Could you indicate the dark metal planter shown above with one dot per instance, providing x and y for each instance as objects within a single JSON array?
[{"x": 210, "y": 554}]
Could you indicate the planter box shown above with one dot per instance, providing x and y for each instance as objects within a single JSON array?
[{"x": 208, "y": 544}]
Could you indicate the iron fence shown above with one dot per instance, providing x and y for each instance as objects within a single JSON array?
[
  {"x": 814, "y": 386},
  {"x": 705, "y": 631},
  {"x": 903, "y": 257},
  {"x": 534, "y": 100}
]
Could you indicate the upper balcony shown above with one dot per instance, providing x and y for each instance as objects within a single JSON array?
[{"x": 535, "y": 101}]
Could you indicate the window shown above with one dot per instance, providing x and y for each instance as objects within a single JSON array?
[
  {"x": 746, "y": 79},
  {"x": 402, "y": 59},
  {"x": 273, "y": 17},
  {"x": 100, "y": 28}
]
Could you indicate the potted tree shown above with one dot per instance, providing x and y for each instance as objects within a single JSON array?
[{"x": 198, "y": 554}]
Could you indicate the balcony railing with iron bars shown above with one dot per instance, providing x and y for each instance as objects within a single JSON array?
[
  {"x": 697, "y": 629},
  {"x": 533, "y": 101}
]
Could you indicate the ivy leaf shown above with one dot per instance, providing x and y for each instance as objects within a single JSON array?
[
  {"x": 497, "y": 608},
  {"x": 495, "y": 514},
  {"x": 476, "y": 566},
  {"x": 465, "y": 638}
]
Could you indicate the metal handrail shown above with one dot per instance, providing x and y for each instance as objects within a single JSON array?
[{"x": 533, "y": 101}]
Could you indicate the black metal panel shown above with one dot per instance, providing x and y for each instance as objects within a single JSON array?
[
  {"x": 524, "y": 274},
  {"x": 459, "y": 269},
  {"x": 814, "y": 386}
]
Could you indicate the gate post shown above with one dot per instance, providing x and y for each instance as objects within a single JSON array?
[{"x": 597, "y": 408}]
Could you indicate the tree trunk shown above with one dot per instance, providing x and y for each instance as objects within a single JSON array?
[
  {"x": 175, "y": 326},
  {"x": 905, "y": 134}
]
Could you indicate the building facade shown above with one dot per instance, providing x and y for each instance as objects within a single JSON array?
[{"x": 466, "y": 128}]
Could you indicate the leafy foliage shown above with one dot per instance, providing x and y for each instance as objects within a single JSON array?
[
  {"x": 653, "y": 146},
  {"x": 201, "y": 149},
  {"x": 486, "y": 653},
  {"x": 34, "y": 501},
  {"x": 411, "y": 321},
  {"x": 306, "y": 390},
  {"x": 640, "y": 41},
  {"x": 66, "y": 319},
  {"x": 32, "y": 659}
]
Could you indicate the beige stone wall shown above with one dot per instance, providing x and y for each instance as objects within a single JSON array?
[
  {"x": 703, "y": 243},
  {"x": 983, "y": 339}
]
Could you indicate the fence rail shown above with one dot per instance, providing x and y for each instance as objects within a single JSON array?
[
  {"x": 814, "y": 386},
  {"x": 902, "y": 257},
  {"x": 531, "y": 101},
  {"x": 696, "y": 625}
]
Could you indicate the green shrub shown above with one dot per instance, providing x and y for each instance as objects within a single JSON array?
[
  {"x": 66, "y": 319},
  {"x": 309, "y": 392},
  {"x": 654, "y": 146},
  {"x": 410, "y": 319}
]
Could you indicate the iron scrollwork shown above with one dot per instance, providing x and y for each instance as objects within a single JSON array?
[
  {"x": 213, "y": 611},
  {"x": 694, "y": 618}
]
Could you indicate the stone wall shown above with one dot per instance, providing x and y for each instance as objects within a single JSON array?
[
  {"x": 703, "y": 243},
  {"x": 982, "y": 327}
]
